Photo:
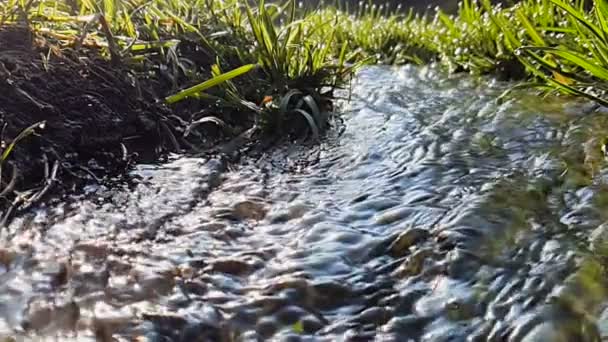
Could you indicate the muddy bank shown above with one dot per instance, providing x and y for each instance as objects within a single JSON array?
[
  {"x": 95, "y": 118},
  {"x": 90, "y": 108}
]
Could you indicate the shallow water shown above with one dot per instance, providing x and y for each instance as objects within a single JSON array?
[{"x": 435, "y": 214}]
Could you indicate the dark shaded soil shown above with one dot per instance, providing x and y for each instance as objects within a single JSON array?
[
  {"x": 101, "y": 117},
  {"x": 92, "y": 111}
]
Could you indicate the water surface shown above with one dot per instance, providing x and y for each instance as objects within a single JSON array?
[{"x": 432, "y": 214}]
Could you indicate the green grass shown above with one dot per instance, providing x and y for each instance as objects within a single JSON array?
[
  {"x": 283, "y": 63},
  {"x": 577, "y": 64}
]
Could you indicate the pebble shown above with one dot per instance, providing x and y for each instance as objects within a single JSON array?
[{"x": 405, "y": 240}]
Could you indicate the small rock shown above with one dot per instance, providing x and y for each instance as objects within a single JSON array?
[
  {"x": 6, "y": 257},
  {"x": 393, "y": 215},
  {"x": 410, "y": 326},
  {"x": 249, "y": 210},
  {"x": 481, "y": 332},
  {"x": 185, "y": 272},
  {"x": 108, "y": 320},
  {"x": 550, "y": 250},
  {"x": 376, "y": 316},
  {"x": 60, "y": 316},
  {"x": 195, "y": 287},
  {"x": 413, "y": 264},
  {"x": 229, "y": 266},
  {"x": 458, "y": 310},
  {"x": 267, "y": 327},
  {"x": 250, "y": 336},
  {"x": 311, "y": 324},
  {"x": 405, "y": 240},
  {"x": 602, "y": 324}
]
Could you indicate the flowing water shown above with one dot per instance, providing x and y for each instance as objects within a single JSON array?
[{"x": 432, "y": 214}]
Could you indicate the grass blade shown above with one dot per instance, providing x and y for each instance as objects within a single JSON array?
[
  {"x": 581, "y": 18},
  {"x": 210, "y": 83},
  {"x": 575, "y": 58}
]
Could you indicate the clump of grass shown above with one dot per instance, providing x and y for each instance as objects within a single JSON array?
[
  {"x": 374, "y": 33},
  {"x": 553, "y": 44},
  {"x": 578, "y": 63},
  {"x": 466, "y": 41},
  {"x": 300, "y": 66}
]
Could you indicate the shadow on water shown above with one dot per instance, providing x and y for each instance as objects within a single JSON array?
[{"x": 437, "y": 215}]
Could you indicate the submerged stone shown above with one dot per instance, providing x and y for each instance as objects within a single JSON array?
[{"x": 407, "y": 239}]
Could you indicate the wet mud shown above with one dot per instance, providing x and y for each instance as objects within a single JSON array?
[{"x": 90, "y": 107}]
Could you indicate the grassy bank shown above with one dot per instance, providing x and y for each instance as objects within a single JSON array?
[
  {"x": 183, "y": 75},
  {"x": 204, "y": 44},
  {"x": 251, "y": 53}
]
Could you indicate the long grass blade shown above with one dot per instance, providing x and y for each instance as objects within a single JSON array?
[
  {"x": 577, "y": 59},
  {"x": 210, "y": 83}
]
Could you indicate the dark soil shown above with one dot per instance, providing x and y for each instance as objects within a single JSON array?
[
  {"x": 93, "y": 111},
  {"x": 101, "y": 117}
]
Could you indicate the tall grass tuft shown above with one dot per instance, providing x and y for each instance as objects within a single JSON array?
[{"x": 577, "y": 64}]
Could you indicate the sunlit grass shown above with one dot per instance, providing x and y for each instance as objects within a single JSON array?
[
  {"x": 577, "y": 64},
  {"x": 560, "y": 44}
]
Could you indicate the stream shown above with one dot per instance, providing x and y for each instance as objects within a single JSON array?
[{"x": 432, "y": 213}]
